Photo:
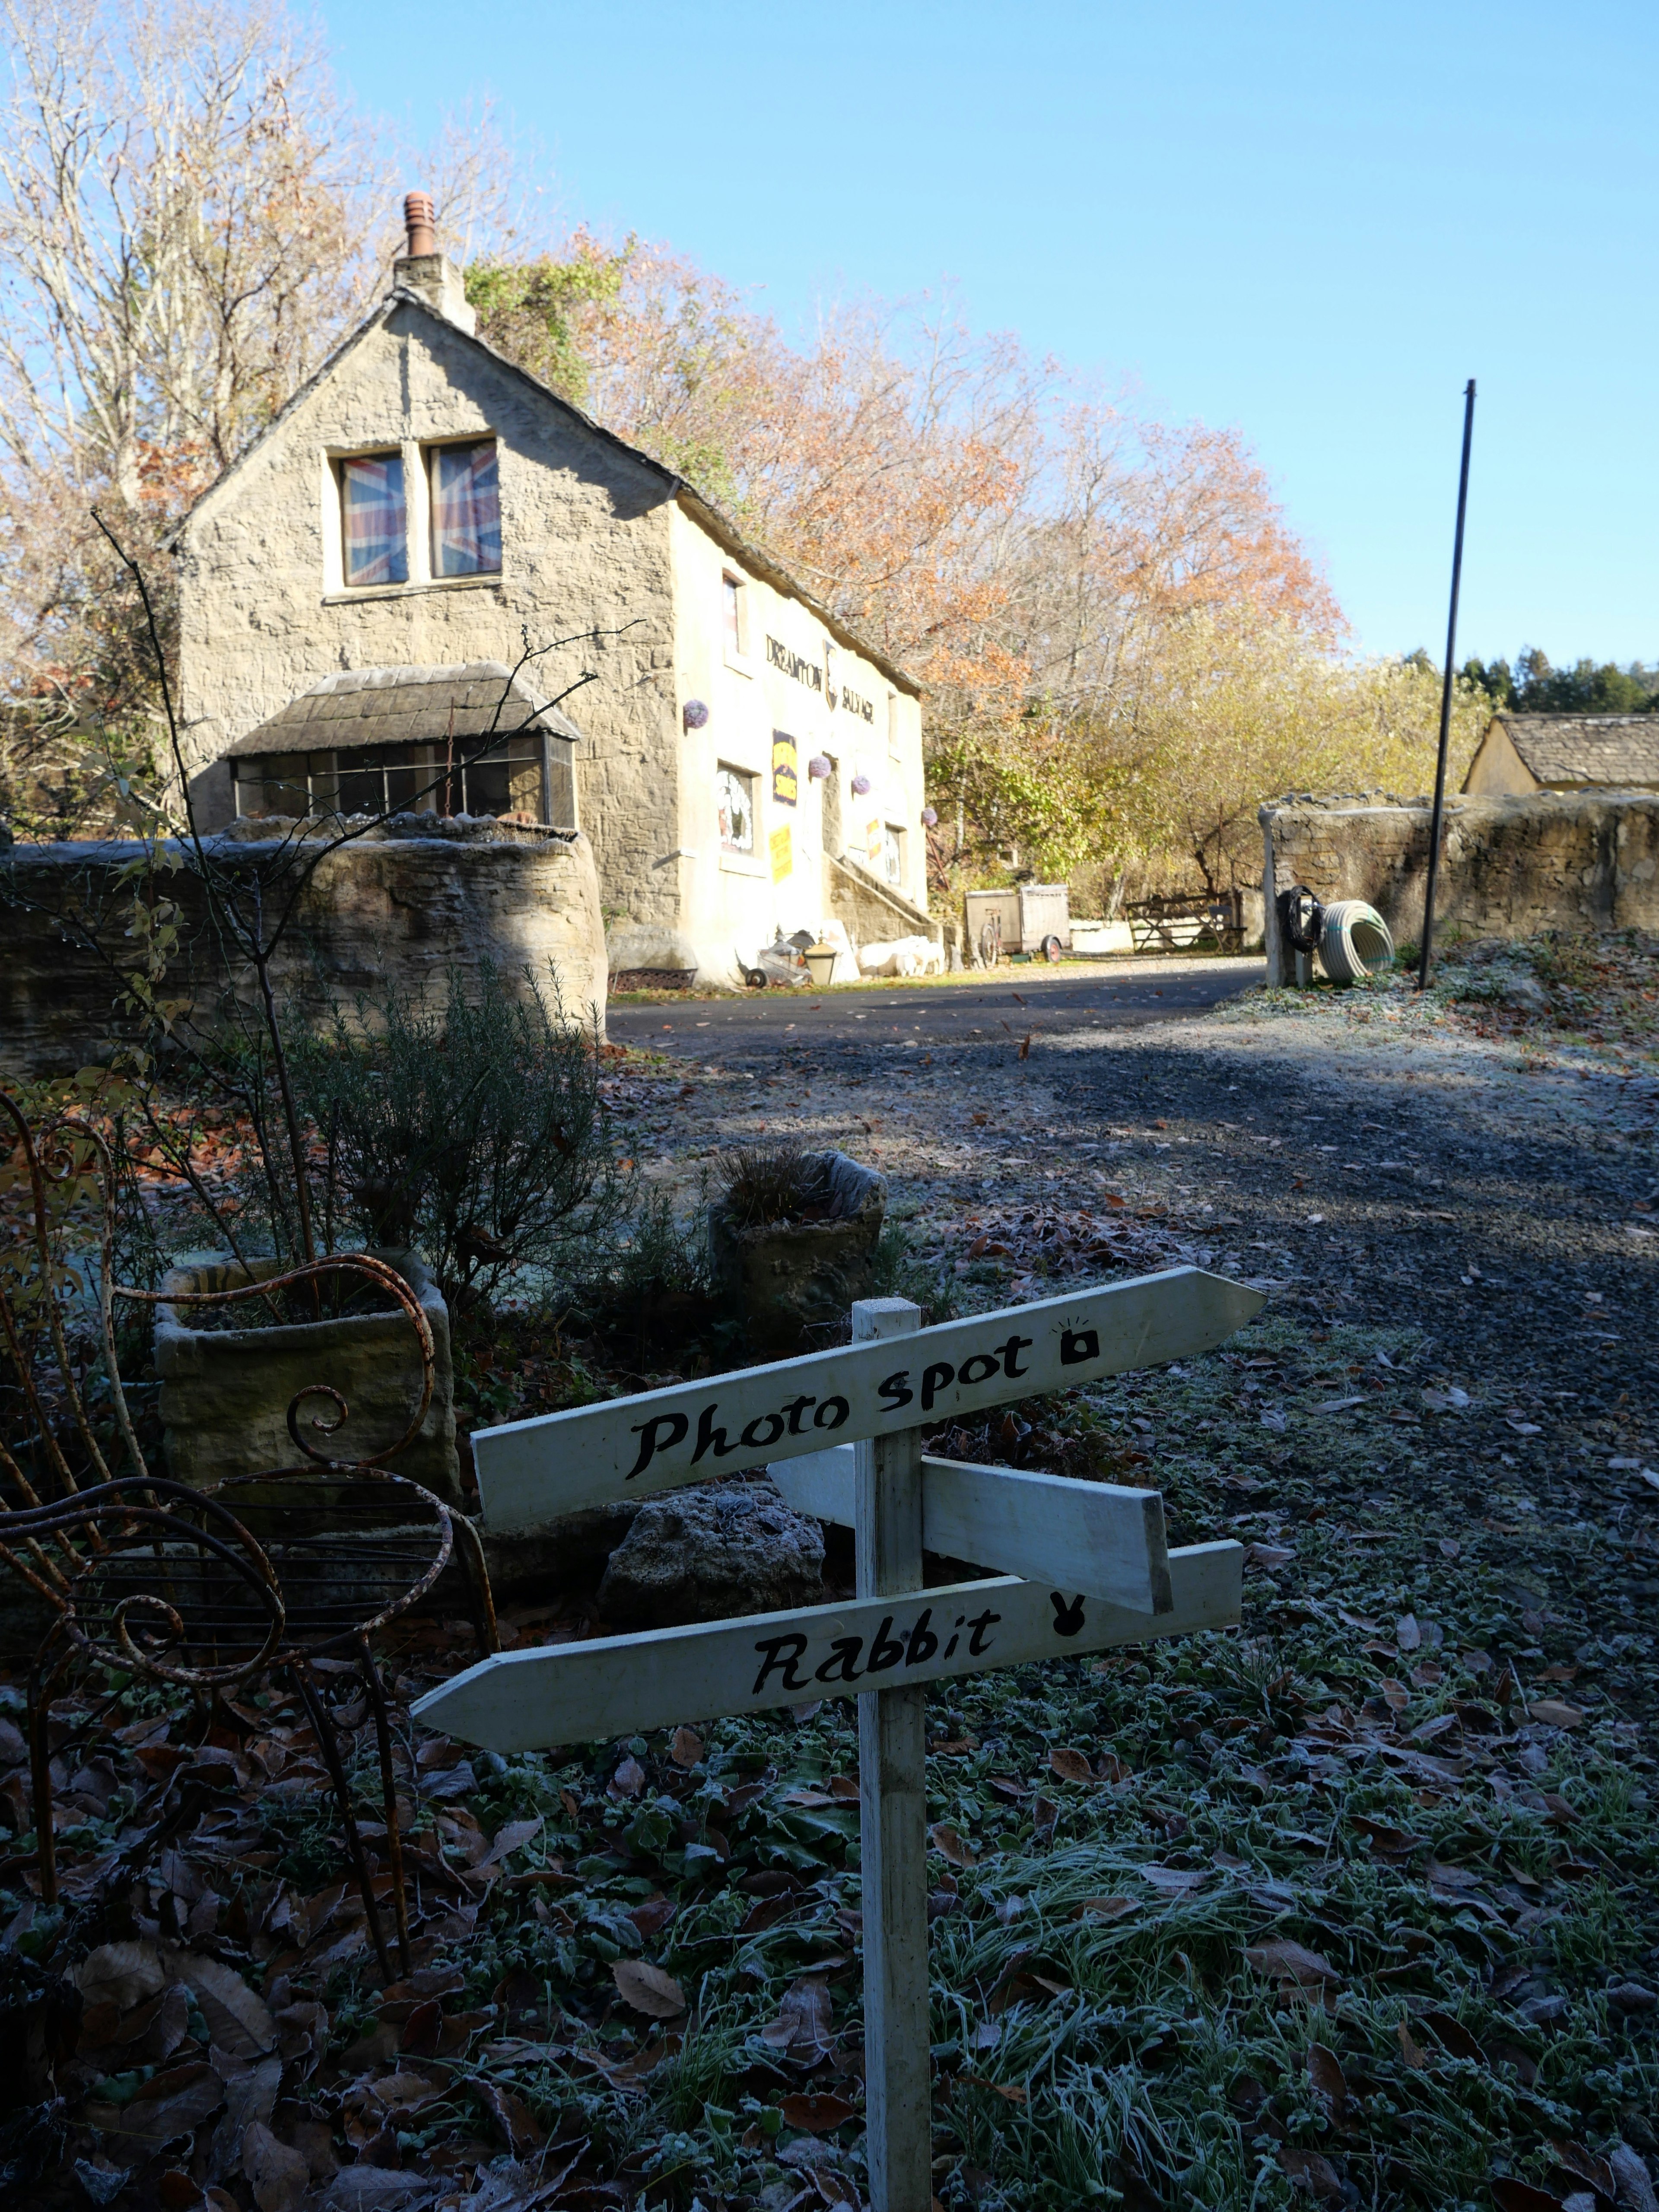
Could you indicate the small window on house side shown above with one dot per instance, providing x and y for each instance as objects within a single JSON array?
[
  {"x": 374, "y": 532},
  {"x": 734, "y": 798},
  {"x": 732, "y": 594},
  {"x": 892, "y": 853},
  {"x": 466, "y": 511}
]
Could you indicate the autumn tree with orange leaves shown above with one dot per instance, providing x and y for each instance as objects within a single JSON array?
[{"x": 1030, "y": 551}]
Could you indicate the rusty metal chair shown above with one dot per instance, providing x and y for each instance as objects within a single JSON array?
[{"x": 207, "y": 1589}]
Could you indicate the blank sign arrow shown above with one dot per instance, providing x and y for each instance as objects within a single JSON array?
[{"x": 1100, "y": 1538}]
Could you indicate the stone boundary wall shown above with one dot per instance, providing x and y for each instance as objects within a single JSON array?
[
  {"x": 406, "y": 905},
  {"x": 1509, "y": 868}
]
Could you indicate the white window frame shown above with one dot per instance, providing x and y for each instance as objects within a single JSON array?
[
  {"x": 732, "y": 860},
  {"x": 736, "y": 657}
]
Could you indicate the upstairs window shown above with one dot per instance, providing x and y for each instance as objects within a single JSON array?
[
  {"x": 466, "y": 510},
  {"x": 374, "y": 532},
  {"x": 732, "y": 597}
]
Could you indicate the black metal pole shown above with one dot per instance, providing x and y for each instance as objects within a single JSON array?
[{"x": 1446, "y": 695}]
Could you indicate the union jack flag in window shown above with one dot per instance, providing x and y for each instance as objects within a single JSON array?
[
  {"x": 376, "y": 542},
  {"x": 466, "y": 511}
]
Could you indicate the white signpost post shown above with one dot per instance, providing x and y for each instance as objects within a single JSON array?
[{"x": 1090, "y": 1568}]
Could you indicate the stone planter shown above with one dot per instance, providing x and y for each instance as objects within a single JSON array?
[
  {"x": 225, "y": 1393},
  {"x": 788, "y": 1277}
]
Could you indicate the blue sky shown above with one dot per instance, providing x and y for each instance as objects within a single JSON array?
[{"x": 1313, "y": 222}]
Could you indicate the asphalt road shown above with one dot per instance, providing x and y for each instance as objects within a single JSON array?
[{"x": 1124, "y": 992}]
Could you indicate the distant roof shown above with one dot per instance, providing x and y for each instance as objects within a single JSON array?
[
  {"x": 1620, "y": 750},
  {"x": 407, "y": 706}
]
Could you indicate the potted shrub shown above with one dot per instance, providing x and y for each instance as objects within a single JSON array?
[{"x": 793, "y": 1239}]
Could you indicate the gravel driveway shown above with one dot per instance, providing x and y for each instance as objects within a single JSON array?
[{"x": 1483, "y": 1205}]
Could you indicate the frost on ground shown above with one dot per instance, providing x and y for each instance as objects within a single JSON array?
[{"x": 1359, "y": 1903}]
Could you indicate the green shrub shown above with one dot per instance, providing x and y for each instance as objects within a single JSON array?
[{"x": 477, "y": 1130}]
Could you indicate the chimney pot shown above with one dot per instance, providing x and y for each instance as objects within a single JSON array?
[{"x": 421, "y": 224}]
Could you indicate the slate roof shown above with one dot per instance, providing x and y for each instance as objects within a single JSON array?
[
  {"x": 406, "y": 706},
  {"x": 1617, "y": 749},
  {"x": 724, "y": 531}
]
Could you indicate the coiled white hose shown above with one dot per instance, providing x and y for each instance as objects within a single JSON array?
[{"x": 1353, "y": 941}]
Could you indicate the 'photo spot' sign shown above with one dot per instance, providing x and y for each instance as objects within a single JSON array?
[{"x": 531, "y": 1472}]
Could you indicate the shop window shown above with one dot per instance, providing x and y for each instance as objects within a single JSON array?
[
  {"x": 466, "y": 510},
  {"x": 734, "y": 799},
  {"x": 508, "y": 777},
  {"x": 892, "y": 853},
  {"x": 373, "y": 522},
  {"x": 732, "y": 616}
]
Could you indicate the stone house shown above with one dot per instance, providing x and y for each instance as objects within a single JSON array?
[
  {"x": 380, "y": 600},
  {"x": 1523, "y": 753}
]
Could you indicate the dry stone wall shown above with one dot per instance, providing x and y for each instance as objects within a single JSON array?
[
  {"x": 1509, "y": 868},
  {"x": 407, "y": 906}
]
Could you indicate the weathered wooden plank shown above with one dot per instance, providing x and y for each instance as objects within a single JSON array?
[
  {"x": 893, "y": 1814},
  {"x": 617, "y": 1684},
  {"x": 1103, "y": 1538},
  {"x": 531, "y": 1472}
]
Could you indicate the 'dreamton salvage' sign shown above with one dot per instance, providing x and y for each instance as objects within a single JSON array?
[{"x": 528, "y": 1472}]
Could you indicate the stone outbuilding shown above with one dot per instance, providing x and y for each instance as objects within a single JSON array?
[
  {"x": 1523, "y": 753},
  {"x": 434, "y": 581}
]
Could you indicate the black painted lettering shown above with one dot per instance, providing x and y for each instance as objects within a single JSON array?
[
  {"x": 1068, "y": 1615},
  {"x": 709, "y": 1438},
  {"x": 933, "y": 1380},
  {"x": 775, "y": 1659},
  {"x": 922, "y": 1643},
  {"x": 796, "y": 1409},
  {"x": 660, "y": 1433},
  {"x": 885, "y": 1650},
  {"x": 979, "y": 1367},
  {"x": 842, "y": 1664},
  {"x": 831, "y": 1414},
  {"x": 775, "y": 1425},
  {"x": 982, "y": 1624},
  {"x": 950, "y": 1649},
  {"x": 896, "y": 1391},
  {"x": 1077, "y": 1345},
  {"x": 1009, "y": 1353}
]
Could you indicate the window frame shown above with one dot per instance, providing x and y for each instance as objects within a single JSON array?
[
  {"x": 430, "y": 453},
  {"x": 322, "y": 770},
  {"x": 894, "y": 853},
  {"x": 339, "y": 466},
  {"x": 734, "y": 591}
]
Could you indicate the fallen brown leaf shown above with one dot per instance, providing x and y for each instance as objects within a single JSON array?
[
  {"x": 513, "y": 2119},
  {"x": 950, "y": 1845},
  {"x": 279, "y": 2176},
  {"x": 1307, "y": 2170},
  {"x": 1555, "y": 1712},
  {"x": 1510, "y": 2195},
  {"x": 1285, "y": 1960},
  {"x": 1069, "y": 1765},
  {"x": 817, "y": 2114},
  {"x": 647, "y": 1989},
  {"x": 1330, "y": 2084},
  {"x": 686, "y": 1749}
]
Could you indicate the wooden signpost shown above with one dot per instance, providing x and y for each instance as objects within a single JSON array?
[{"x": 1088, "y": 1567}]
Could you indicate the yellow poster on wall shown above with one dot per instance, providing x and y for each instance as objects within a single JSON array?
[
  {"x": 783, "y": 858},
  {"x": 786, "y": 781},
  {"x": 874, "y": 841}
]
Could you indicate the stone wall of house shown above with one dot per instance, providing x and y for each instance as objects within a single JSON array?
[
  {"x": 1509, "y": 868},
  {"x": 585, "y": 548},
  {"x": 406, "y": 907}
]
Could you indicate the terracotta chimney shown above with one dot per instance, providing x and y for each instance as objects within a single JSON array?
[
  {"x": 421, "y": 223},
  {"x": 422, "y": 270}
]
